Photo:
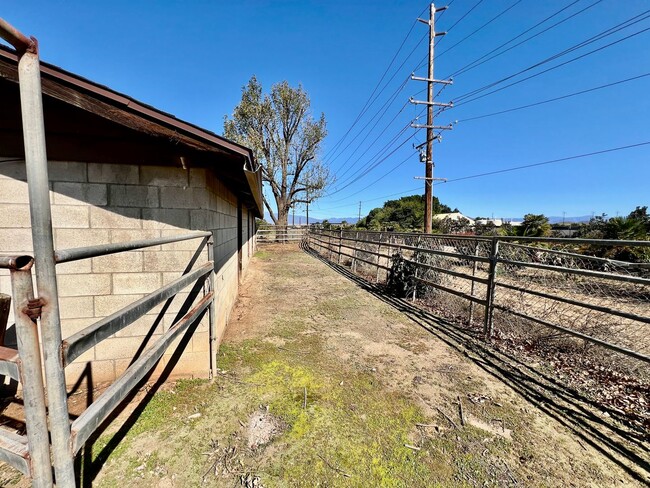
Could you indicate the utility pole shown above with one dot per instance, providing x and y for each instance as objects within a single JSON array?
[
  {"x": 293, "y": 214},
  {"x": 307, "y": 208},
  {"x": 430, "y": 103},
  {"x": 359, "y": 213}
]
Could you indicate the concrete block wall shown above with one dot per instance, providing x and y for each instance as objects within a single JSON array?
[{"x": 99, "y": 203}]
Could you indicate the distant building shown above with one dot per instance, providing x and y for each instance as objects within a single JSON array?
[
  {"x": 453, "y": 216},
  {"x": 494, "y": 222}
]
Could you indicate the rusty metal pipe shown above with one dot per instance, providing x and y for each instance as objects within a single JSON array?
[
  {"x": 31, "y": 378},
  {"x": 17, "y": 39},
  {"x": 93, "y": 416},
  {"x": 77, "y": 253},
  {"x": 31, "y": 102},
  {"x": 16, "y": 262}
]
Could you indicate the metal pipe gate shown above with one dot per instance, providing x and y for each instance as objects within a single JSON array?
[{"x": 31, "y": 453}]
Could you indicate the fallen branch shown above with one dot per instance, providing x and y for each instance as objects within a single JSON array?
[
  {"x": 460, "y": 411},
  {"x": 304, "y": 402},
  {"x": 415, "y": 448},
  {"x": 447, "y": 417}
]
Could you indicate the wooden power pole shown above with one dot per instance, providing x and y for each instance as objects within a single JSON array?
[{"x": 430, "y": 127}]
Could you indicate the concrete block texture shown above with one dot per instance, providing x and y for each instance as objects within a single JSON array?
[
  {"x": 70, "y": 238},
  {"x": 13, "y": 191},
  {"x": 166, "y": 260},
  {"x": 123, "y": 262},
  {"x": 73, "y": 285},
  {"x": 119, "y": 347},
  {"x": 95, "y": 204},
  {"x": 89, "y": 374},
  {"x": 66, "y": 171},
  {"x": 72, "y": 326},
  {"x": 76, "y": 307},
  {"x": 70, "y": 216},
  {"x": 130, "y": 283},
  {"x": 67, "y": 193},
  {"x": 165, "y": 218},
  {"x": 126, "y": 174},
  {"x": 106, "y": 305},
  {"x": 15, "y": 215},
  {"x": 133, "y": 196},
  {"x": 11, "y": 169},
  {"x": 171, "y": 197},
  {"x": 164, "y": 176},
  {"x": 129, "y": 235},
  {"x": 115, "y": 218}
]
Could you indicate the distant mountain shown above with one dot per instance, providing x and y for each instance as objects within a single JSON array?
[
  {"x": 569, "y": 220},
  {"x": 302, "y": 220},
  {"x": 338, "y": 220}
]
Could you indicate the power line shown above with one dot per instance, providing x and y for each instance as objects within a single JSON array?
[
  {"x": 376, "y": 155},
  {"x": 555, "y": 67},
  {"x": 378, "y": 179},
  {"x": 559, "y": 160},
  {"x": 515, "y": 168},
  {"x": 374, "y": 165},
  {"x": 478, "y": 61},
  {"x": 374, "y": 199},
  {"x": 480, "y": 28},
  {"x": 368, "y": 102},
  {"x": 385, "y": 106},
  {"x": 534, "y": 104},
  {"x": 601, "y": 35},
  {"x": 374, "y": 140},
  {"x": 466, "y": 14}
]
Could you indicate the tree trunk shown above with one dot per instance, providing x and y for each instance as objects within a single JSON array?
[{"x": 281, "y": 223}]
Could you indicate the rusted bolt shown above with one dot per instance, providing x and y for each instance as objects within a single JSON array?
[{"x": 33, "y": 309}]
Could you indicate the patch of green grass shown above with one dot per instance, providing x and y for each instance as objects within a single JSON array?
[
  {"x": 263, "y": 255},
  {"x": 158, "y": 415}
]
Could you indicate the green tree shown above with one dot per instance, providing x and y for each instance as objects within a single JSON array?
[
  {"x": 535, "y": 225},
  {"x": 285, "y": 139},
  {"x": 404, "y": 214}
]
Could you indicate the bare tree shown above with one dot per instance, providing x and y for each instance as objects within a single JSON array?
[{"x": 286, "y": 140}]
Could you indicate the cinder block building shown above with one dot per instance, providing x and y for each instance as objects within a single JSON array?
[{"x": 122, "y": 171}]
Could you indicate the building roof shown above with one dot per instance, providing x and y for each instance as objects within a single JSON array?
[
  {"x": 86, "y": 120},
  {"x": 452, "y": 216}
]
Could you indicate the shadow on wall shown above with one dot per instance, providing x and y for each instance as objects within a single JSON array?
[
  {"x": 592, "y": 423},
  {"x": 88, "y": 466}
]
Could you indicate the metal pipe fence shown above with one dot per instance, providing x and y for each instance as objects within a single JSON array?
[
  {"x": 537, "y": 288},
  {"x": 281, "y": 234}
]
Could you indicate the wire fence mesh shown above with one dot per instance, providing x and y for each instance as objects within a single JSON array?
[{"x": 559, "y": 293}]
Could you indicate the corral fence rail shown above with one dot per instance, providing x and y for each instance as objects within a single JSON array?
[
  {"x": 281, "y": 234},
  {"x": 556, "y": 287}
]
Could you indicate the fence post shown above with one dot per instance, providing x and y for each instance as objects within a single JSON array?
[
  {"x": 212, "y": 312},
  {"x": 31, "y": 377},
  {"x": 474, "y": 268},
  {"x": 378, "y": 259},
  {"x": 31, "y": 101},
  {"x": 417, "y": 268},
  {"x": 354, "y": 253},
  {"x": 489, "y": 298},
  {"x": 338, "y": 261},
  {"x": 329, "y": 244}
]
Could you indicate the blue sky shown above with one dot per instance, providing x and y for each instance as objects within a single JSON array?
[{"x": 191, "y": 58}]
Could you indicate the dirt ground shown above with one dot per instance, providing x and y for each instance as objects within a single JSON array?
[{"x": 321, "y": 383}]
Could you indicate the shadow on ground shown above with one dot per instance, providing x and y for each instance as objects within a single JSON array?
[{"x": 590, "y": 422}]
